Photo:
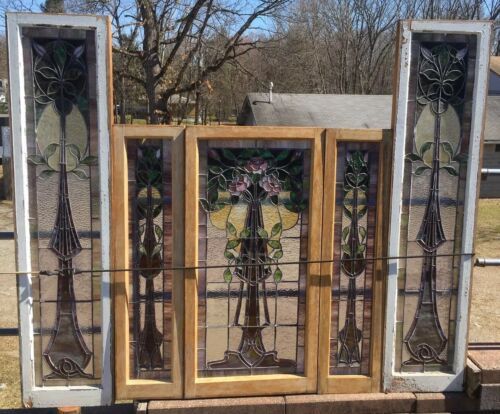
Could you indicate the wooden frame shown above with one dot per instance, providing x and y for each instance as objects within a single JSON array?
[
  {"x": 127, "y": 388},
  {"x": 436, "y": 381},
  {"x": 329, "y": 384},
  {"x": 48, "y": 396},
  {"x": 196, "y": 387}
]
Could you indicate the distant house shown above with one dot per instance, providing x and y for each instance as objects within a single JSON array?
[{"x": 358, "y": 111}]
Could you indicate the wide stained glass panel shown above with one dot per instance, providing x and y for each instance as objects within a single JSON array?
[
  {"x": 354, "y": 247},
  {"x": 253, "y": 233},
  {"x": 437, "y": 144},
  {"x": 64, "y": 204},
  {"x": 150, "y": 232}
]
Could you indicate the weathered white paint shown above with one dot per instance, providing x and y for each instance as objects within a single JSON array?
[
  {"x": 74, "y": 395},
  {"x": 396, "y": 381}
]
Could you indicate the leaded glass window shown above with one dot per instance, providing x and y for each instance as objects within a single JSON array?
[
  {"x": 435, "y": 172},
  {"x": 354, "y": 249},
  {"x": 64, "y": 204},
  {"x": 253, "y": 216},
  {"x": 150, "y": 229}
]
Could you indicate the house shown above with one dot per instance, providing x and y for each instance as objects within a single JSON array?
[{"x": 360, "y": 111}]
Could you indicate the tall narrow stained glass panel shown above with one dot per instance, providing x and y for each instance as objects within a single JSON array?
[
  {"x": 354, "y": 246},
  {"x": 253, "y": 215},
  {"x": 150, "y": 230},
  {"x": 64, "y": 204},
  {"x": 436, "y": 174}
]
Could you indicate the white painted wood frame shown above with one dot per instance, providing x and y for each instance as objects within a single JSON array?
[
  {"x": 435, "y": 381},
  {"x": 47, "y": 396}
]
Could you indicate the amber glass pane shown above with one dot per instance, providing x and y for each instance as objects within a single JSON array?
[
  {"x": 253, "y": 217},
  {"x": 150, "y": 212},
  {"x": 437, "y": 143},
  {"x": 355, "y": 220},
  {"x": 64, "y": 204}
]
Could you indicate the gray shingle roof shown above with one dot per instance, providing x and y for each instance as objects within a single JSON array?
[{"x": 338, "y": 111}]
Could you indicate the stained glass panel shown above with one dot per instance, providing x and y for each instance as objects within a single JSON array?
[
  {"x": 64, "y": 204},
  {"x": 437, "y": 144},
  {"x": 254, "y": 211},
  {"x": 150, "y": 212},
  {"x": 352, "y": 293}
]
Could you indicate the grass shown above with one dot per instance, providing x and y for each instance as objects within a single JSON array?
[
  {"x": 488, "y": 228},
  {"x": 10, "y": 394}
]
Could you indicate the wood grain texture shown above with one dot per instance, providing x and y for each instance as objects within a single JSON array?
[
  {"x": 126, "y": 387},
  {"x": 260, "y": 384},
  {"x": 340, "y": 384}
]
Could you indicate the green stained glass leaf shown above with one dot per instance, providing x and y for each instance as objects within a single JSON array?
[
  {"x": 345, "y": 233},
  {"x": 46, "y": 174},
  {"x": 420, "y": 170},
  {"x": 82, "y": 175},
  {"x": 262, "y": 233},
  {"x": 228, "y": 154},
  {"x": 231, "y": 244},
  {"x": 275, "y": 244},
  {"x": 205, "y": 205},
  {"x": 158, "y": 232},
  {"x": 228, "y": 255},
  {"x": 50, "y": 150},
  {"x": 413, "y": 157},
  {"x": 283, "y": 155},
  {"x": 425, "y": 147},
  {"x": 60, "y": 55},
  {"x": 361, "y": 248},
  {"x": 228, "y": 276},
  {"x": 278, "y": 275},
  {"x": 245, "y": 233},
  {"x": 276, "y": 229},
  {"x": 222, "y": 182},
  {"x": 74, "y": 150},
  {"x": 231, "y": 229},
  {"x": 36, "y": 159},
  {"x": 362, "y": 232},
  {"x": 346, "y": 249},
  {"x": 450, "y": 170},
  {"x": 278, "y": 254},
  {"x": 90, "y": 160},
  {"x": 448, "y": 148}
]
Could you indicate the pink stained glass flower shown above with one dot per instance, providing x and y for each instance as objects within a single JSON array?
[
  {"x": 256, "y": 165},
  {"x": 239, "y": 184},
  {"x": 271, "y": 184}
]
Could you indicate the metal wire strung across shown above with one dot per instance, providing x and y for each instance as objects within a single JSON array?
[{"x": 132, "y": 269}]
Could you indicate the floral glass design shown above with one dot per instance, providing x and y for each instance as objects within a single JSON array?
[
  {"x": 150, "y": 194},
  {"x": 436, "y": 165},
  {"x": 63, "y": 171},
  {"x": 354, "y": 243},
  {"x": 255, "y": 199}
]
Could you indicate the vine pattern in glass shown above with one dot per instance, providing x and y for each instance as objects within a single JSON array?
[
  {"x": 441, "y": 85},
  {"x": 149, "y": 249},
  {"x": 253, "y": 178},
  {"x": 60, "y": 74},
  {"x": 353, "y": 263}
]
